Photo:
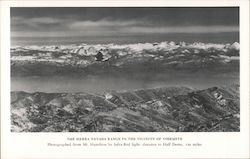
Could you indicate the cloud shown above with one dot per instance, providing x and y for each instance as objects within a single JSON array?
[
  {"x": 184, "y": 29},
  {"x": 32, "y": 21},
  {"x": 45, "y": 20},
  {"x": 103, "y": 23},
  {"x": 35, "y": 24},
  {"x": 58, "y": 27}
]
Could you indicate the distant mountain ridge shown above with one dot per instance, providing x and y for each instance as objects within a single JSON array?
[
  {"x": 173, "y": 109},
  {"x": 133, "y": 58}
]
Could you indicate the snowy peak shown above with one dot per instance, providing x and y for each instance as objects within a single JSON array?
[{"x": 85, "y": 49}]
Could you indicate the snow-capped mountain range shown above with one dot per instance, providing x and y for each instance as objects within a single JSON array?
[
  {"x": 162, "y": 109},
  {"x": 158, "y": 55}
]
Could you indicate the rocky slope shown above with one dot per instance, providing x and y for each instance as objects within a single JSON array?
[{"x": 174, "y": 109}]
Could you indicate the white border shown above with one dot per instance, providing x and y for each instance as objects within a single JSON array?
[{"x": 215, "y": 145}]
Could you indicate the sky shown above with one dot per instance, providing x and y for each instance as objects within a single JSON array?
[{"x": 49, "y": 22}]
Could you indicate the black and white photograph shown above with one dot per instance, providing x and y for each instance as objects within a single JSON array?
[{"x": 124, "y": 69}]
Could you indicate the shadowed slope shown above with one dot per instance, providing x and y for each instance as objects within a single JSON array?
[{"x": 176, "y": 109}]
